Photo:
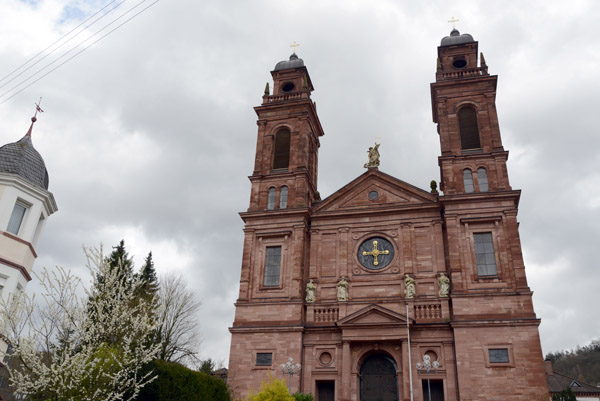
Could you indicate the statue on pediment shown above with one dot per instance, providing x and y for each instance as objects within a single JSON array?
[{"x": 373, "y": 156}]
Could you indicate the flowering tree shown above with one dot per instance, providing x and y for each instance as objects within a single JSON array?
[{"x": 78, "y": 343}]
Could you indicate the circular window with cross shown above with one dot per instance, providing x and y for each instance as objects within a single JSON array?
[{"x": 375, "y": 253}]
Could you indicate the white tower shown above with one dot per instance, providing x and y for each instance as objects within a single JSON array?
[{"x": 25, "y": 204}]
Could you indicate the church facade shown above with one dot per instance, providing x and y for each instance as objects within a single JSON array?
[{"x": 385, "y": 291}]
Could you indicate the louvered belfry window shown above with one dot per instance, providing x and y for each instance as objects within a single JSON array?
[
  {"x": 469, "y": 130},
  {"x": 281, "y": 158}
]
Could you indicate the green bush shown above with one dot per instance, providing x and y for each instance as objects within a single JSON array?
[
  {"x": 175, "y": 382},
  {"x": 303, "y": 397}
]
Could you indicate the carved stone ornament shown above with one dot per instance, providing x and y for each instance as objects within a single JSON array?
[
  {"x": 311, "y": 292},
  {"x": 409, "y": 286},
  {"x": 342, "y": 290},
  {"x": 444, "y": 283}
]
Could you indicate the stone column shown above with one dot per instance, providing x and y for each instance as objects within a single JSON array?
[{"x": 346, "y": 370}]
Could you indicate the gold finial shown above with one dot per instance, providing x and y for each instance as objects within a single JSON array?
[
  {"x": 294, "y": 45},
  {"x": 453, "y": 20}
]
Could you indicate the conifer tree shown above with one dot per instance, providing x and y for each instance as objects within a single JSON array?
[{"x": 149, "y": 281}]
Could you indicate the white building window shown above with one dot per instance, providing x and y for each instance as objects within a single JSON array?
[{"x": 16, "y": 218}]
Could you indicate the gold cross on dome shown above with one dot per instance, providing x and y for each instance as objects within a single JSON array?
[
  {"x": 294, "y": 45},
  {"x": 453, "y": 20},
  {"x": 375, "y": 253}
]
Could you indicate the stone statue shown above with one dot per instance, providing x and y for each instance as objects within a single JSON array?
[
  {"x": 373, "y": 156},
  {"x": 342, "y": 290},
  {"x": 311, "y": 292},
  {"x": 409, "y": 283},
  {"x": 444, "y": 283}
]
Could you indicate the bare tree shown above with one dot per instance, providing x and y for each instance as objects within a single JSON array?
[{"x": 178, "y": 325}]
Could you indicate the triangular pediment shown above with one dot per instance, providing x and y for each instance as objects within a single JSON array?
[
  {"x": 375, "y": 188},
  {"x": 373, "y": 315}
]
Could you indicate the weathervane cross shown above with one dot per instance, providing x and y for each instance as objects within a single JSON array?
[
  {"x": 294, "y": 45},
  {"x": 38, "y": 108},
  {"x": 453, "y": 20}
]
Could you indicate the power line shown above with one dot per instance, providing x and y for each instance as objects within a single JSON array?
[
  {"x": 61, "y": 38},
  {"x": 78, "y": 53}
]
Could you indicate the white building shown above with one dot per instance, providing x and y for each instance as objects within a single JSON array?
[{"x": 25, "y": 204}]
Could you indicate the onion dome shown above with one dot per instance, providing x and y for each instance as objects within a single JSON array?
[
  {"x": 293, "y": 62},
  {"x": 456, "y": 38},
  {"x": 22, "y": 159}
]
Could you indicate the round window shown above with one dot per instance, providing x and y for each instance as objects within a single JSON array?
[
  {"x": 373, "y": 195},
  {"x": 288, "y": 87},
  {"x": 325, "y": 358},
  {"x": 459, "y": 62}
]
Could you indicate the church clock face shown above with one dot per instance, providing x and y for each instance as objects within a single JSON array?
[{"x": 375, "y": 253}]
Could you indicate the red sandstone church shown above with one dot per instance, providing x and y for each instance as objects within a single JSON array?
[{"x": 361, "y": 286}]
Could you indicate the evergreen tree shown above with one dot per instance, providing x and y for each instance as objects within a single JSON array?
[
  {"x": 119, "y": 259},
  {"x": 148, "y": 279}
]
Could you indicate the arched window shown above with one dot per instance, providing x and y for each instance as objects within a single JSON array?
[
  {"x": 271, "y": 199},
  {"x": 468, "y": 180},
  {"x": 482, "y": 179},
  {"x": 281, "y": 154},
  {"x": 283, "y": 195},
  {"x": 469, "y": 130}
]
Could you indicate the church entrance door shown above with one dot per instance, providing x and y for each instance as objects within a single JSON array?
[{"x": 378, "y": 379}]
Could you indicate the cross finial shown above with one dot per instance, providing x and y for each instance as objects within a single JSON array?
[
  {"x": 38, "y": 108},
  {"x": 293, "y": 46},
  {"x": 34, "y": 118},
  {"x": 453, "y": 21}
]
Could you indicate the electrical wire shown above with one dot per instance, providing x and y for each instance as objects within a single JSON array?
[
  {"x": 78, "y": 53},
  {"x": 62, "y": 37}
]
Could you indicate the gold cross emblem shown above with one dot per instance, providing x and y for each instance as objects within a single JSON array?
[
  {"x": 453, "y": 20},
  {"x": 375, "y": 253},
  {"x": 293, "y": 46}
]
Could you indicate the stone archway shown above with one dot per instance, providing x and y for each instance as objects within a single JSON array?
[{"x": 378, "y": 379}]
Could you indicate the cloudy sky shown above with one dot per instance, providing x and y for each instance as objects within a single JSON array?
[{"x": 149, "y": 134}]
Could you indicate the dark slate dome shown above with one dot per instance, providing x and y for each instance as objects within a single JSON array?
[
  {"x": 456, "y": 38},
  {"x": 293, "y": 62},
  {"x": 22, "y": 159}
]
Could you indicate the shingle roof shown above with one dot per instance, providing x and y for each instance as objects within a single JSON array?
[
  {"x": 558, "y": 382},
  {"x": 22, "y": 159}
]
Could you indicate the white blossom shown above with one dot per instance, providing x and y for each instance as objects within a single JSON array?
[{"x": 77, "y": 343}]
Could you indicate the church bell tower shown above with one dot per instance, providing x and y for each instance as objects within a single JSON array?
[{"x": 268, "y": 324}]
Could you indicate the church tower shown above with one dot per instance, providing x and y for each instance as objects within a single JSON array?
[
  {"x": 491, "y": 302},
  {"x": 25, "y": 205},
  {"x": 269, "y": 311}
]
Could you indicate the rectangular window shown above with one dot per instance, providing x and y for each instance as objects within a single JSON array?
[
  {"x": 272, "y": 266},
  {"x": 498, "y": 355},
  {"x": 16, "y": 218},
  {"x": 264, "y": 359},
  {"x": 484, "y": 254}
]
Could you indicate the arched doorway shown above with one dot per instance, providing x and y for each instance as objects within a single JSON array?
[{"x": 378, "y": 379}]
